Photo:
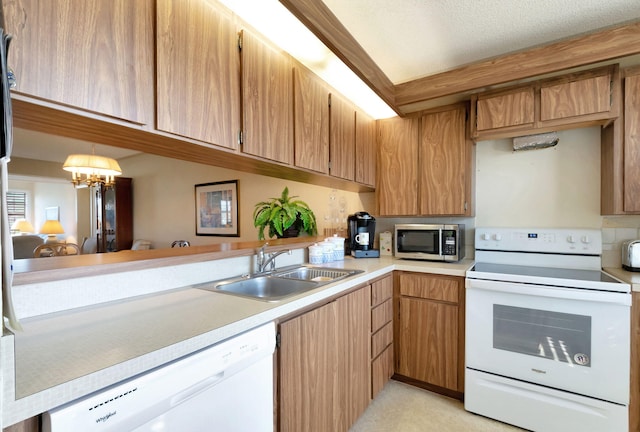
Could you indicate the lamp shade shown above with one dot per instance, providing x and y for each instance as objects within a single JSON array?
[
  {"x": 51, "y": 227},
  {"x": 91, "y": 169},
  {"x": 22, "y": 225}
]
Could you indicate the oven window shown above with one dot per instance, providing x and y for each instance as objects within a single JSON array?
[
  {"x": 425, "y": 241},
  {"x": 553, "y": 335}
]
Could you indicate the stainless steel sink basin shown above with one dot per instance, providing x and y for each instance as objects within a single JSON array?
[
  {"x": 266, "y": 288},
  {"x": 318, "y": 274},
  {"x": 280, "y": 284}
]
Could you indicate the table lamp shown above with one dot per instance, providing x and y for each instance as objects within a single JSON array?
[
  {"x": 51, "y": 228},
  {"x": 23, "y": 226}
]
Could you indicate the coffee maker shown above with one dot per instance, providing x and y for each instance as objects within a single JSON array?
[{"x": 361, "y": 231}]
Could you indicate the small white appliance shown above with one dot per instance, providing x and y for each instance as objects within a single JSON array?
[{"x": 547, "y": 332}]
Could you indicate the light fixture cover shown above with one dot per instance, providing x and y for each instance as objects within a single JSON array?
[
  {"x": 22, "y": 225},
  {"x": 92, "y": 164},
  {"x": 51, "y": 226},
  {"x": 95, "y": 169}
]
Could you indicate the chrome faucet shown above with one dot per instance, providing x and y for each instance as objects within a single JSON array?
[{"x": 265, "y": 259}]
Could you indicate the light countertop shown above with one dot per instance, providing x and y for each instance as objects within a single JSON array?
[
  {"x": 62, "y": 356},
  {"x": 632, "y": 278}
]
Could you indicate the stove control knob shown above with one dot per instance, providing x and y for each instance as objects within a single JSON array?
[
  {"x": 486, "y": 236},
  {"x": 586, "y": 239},
  {"x": 497, "y": 237},
  {"x": 571, "y": 239}
]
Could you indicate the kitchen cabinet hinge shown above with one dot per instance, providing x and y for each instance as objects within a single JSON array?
[
  {"x": 278, "y": 340},
  {"x": 240, "y": 137}
]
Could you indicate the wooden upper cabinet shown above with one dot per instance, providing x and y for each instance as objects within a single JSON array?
[
  {"x": 366, "y": 149},
  {"x": 198, "y": 73},
  {"x": 397, "y": 185},
  {"x": 581, "y": 99},
  {"x": 311, "y": 117},
  {"x": 445, "y": 164},
  {"x": 267, "y": 100},
  {"x": 504, "y": 109},
  {"x": 342, "y": 137},
  {"x": 575, "y": 96},
  {"x": 96, "y": 56},
  {"x": 632, "y": 142}
]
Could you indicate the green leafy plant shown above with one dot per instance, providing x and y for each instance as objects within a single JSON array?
[{"x": 282, "y": 213}]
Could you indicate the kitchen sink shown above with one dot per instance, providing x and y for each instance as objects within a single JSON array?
[
  {"x": 274, "y": 287},
  {"x": 318, "y": 274}
]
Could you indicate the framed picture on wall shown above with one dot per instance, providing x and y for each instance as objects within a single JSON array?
[
  {"x": 217, "y": 209},
  {"x": 52, "y": 213}
]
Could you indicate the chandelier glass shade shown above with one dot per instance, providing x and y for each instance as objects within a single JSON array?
[{"x": 91, "y": 169}]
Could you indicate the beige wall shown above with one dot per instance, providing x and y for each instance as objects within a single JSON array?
[
  {"x": 164, "y": 207},
  {"x": 553, "y": 187}
]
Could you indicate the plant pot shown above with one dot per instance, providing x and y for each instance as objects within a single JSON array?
[{"x": 292, "y": 231}]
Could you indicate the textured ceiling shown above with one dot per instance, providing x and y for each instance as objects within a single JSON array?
[{"x": 410, "y": 39}]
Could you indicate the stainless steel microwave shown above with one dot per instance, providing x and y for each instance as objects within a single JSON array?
[{"x": 431, "y": 242}]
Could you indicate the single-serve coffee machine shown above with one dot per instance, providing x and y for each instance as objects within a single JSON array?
[{"x": 361, "y": 232}]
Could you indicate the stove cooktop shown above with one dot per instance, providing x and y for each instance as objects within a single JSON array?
[{"x": 550, "y": 276}]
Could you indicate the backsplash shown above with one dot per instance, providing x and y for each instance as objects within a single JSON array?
[{"x": 616, "y": 230}]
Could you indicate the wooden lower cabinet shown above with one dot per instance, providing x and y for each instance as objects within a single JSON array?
[
  {"x": 29, "y": 425},
  {"x": 429, "y": 338},
  {"x": 324, "y": 363}
]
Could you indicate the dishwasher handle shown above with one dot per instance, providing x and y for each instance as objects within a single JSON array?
[{"x": 196, "y": 389}]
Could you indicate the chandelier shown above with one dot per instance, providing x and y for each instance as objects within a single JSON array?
[{"x": 90, "y": 169}]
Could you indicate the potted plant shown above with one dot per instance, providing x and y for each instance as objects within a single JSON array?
[{"x": 284, "y": 216}]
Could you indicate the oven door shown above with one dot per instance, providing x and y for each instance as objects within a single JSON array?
[{"x": 569, "y": 339}]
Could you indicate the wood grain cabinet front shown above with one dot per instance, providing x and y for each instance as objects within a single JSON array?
[
  {"x": 311, "y": 121},
  {"x": 96, "y": 56},
  {"x": 620, "y": 153},
  {"x": 324, "y": 363},
  {"x": 381, "y": 333},
  {"x": 425, "y": 164},
  {"x": 366, "y": 149},
  {"x": 198, "y": 72},
  {"x": 342, "y": 137},
  {"x": 580, "y": 99},
  {"x": 267, "y": 100},
  {"x": 429, "y": 331}
]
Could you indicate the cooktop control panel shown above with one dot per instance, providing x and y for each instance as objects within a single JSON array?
[{"x": 551, "y": 240}]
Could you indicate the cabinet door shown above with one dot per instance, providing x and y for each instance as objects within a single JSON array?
[
  {"x": 308, "y": 371},
  {"x": 365, "y": 149},
  {"x": 353, "y": 346},
  {"x": 267, "y": 101},
  {"x": 342, "y": 138},
  {"x": 512, "y": 108},
  {"x": 632, "y": 143},
  {"x": 198, "y": 72},
  {"x": 428, "y": 342},
  {"x": 575, "y": 97},
  {"x": 324, "y": 366},
  {"x": 96, "y": 56},
  {"x": 311, "y": 115},
  {"x": 397, "y": 176},
  {"x": 446, "y": 165}
]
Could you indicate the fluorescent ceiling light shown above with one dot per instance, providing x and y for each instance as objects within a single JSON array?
[{"x": 276, "y": 23}]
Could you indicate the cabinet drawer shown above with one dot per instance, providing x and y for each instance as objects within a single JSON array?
[
  {"x": 381, "y": 339},
  {"x": 381, "y": 370},
  {"x": 430, "y": 287},
  {"x": 381, "y": 290},
  {"x": 380, "y": 315}
]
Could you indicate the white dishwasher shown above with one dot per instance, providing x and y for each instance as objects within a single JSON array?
[{"x": 226, "y": 387}]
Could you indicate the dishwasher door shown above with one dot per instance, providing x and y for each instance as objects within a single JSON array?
[{"x": 226, "y": 387}]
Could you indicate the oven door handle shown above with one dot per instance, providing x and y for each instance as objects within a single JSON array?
[{"x": 551, "y": 292}]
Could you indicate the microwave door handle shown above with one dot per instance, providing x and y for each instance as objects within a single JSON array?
[{"x": 440, "y": 240}]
